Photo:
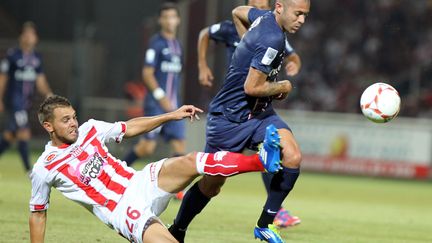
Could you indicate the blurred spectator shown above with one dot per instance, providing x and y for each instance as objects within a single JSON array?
[{"x": 348, "y": 45}]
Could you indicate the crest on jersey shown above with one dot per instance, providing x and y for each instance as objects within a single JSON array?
[
  {"x": 269, "y": 56},
  {"x": 50, "y": 157},
  {"x": 165, "y": 51}
]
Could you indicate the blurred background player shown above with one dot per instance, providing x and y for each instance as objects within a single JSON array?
[
  {"x": 161, "y": 75},
  {"x": 226, "y": 33},
  {"x": 243, "y": 106},
  {"x": 20, "y": 72}
]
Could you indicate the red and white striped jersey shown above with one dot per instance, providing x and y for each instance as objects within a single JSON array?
[{"x": 84, "y": 171}]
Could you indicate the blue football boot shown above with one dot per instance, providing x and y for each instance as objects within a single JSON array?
[
  {"x": 269, "y": 234},
  {"x": 269, "y": 151}
]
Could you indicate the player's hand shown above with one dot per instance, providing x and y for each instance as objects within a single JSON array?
[
  {"x": 205, "y": 76},
  {"x": 166, "y": 104},
  {"x": 286, "y": 87},
  {"x": 292, "y": 68},
  {"x": 187, "y": 111}
]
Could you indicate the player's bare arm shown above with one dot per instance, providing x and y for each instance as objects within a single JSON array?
[
  {"x": 256, "y": 85},
  {"x": 37, "y": 222},
  {"x": 139, "y": 125},
  {"x": 293, "y": 64},
  {"x": 3, "y": 82},
  {"x": 205, "y": 74},
  {"x": 153, "y": 86},
  {"x": 43, "y": 86},
  {"x": 240, "y": 19}
]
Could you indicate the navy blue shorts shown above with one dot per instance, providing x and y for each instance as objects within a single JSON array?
[
  {"x": 17, "y": 120},
  {"x": 169, "y": 131},
  {"x": 222, "y": 134}
]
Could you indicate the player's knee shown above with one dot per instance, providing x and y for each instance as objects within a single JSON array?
[
  {"x": 142, "y": 149},
  {"x": 8, "y": 136},
  {"x": 23, "y": 135},
  {"x": 190, "y": 159},
  {"x": 291, "y": 159}
]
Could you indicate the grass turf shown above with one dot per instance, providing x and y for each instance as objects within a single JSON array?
[{"x": 332, "y": 209}]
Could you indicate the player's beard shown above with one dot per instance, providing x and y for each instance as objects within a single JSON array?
[{"x": 66, "y": 139}]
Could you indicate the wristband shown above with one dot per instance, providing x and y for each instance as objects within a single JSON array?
[{"x": 158, "y": 93}]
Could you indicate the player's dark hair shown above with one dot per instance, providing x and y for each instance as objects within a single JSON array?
[
  {"x": 46, "y": 109},
  {"x": 168, "y": 6},
  {"x": 28, "y": 25}
]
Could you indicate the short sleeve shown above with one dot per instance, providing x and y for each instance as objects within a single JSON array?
[
  {"x": 152, "y": 54},
  {"x": 40, "y": 193},
  {"x": 254, "y": 13},
  {"x": 288, "y": 48},
  {"x": 265, "y": 52},
  {"x": 110, "y": 132},
  {"x": 4, "y": 65},
  {"x": 219, "y": 32}
]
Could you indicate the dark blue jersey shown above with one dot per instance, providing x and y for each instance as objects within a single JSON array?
[
  {"x": 165, "y": 56},
  {"x": 262, "y": 48},
  {"x": 22, "y": 71},
  {"x": 225, "y": 32}
]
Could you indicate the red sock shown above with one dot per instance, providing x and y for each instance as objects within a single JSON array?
[{"x": 227, "y": 163}]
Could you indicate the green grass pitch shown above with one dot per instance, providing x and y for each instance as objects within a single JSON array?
[{"x": 332, "y": 209}]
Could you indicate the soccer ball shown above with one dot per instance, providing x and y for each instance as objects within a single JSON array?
[{"x": 380, "y": 102}]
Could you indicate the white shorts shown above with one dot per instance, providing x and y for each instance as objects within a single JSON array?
[{"x": 141, "y": 204}]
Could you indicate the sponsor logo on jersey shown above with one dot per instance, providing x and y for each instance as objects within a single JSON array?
[
  {"x": 28, "y": 74},
  {"x": 91, "y": 169},
  {"x": 173, "y": 66},
  {"x": 275, "y": 71}
]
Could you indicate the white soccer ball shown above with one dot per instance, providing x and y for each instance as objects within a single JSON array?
[{"x": 380, "y": 102}]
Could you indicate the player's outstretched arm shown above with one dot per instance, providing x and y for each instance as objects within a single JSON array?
[
  {"x": 152, "y": 85},
  {"x": 3, "y": 82},
  {"x": 293, "y": 64},
  {"x": 43, "y": 86},
  {"x": 37, "y": 222},
  {"x": 256, "y": 85},
  {"x": 205, "y": 74},
  {"x": 240, "y": 19},
  {"x": 139, "y": 125}
]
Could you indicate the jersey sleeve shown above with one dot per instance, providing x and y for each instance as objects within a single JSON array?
[
  {"x": 40, "y": 193},
  {"x": 288, "y": 48},
  {"x": 219, "y": 32},
  {"x": 254, "y": 13},
  {"x": 265, "y": 52},
  {"x": 110, "y": 132},
  {"x": 5, "y": 64},
  {"x": 152, "y": 54}
]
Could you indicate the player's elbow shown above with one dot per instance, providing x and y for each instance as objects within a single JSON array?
[{"x": 252, "y": 90}]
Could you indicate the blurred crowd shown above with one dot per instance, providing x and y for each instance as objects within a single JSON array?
[{"x": 347, "y": 45}]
